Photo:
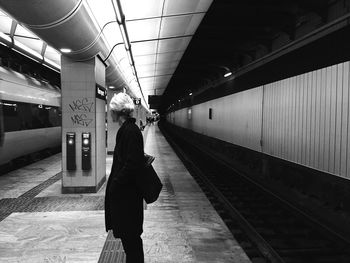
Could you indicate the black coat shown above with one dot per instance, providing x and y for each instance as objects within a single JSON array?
[{"x": 123, "y": 203}]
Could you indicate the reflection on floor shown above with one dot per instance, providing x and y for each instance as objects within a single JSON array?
[{"x": 181, "y": 226}]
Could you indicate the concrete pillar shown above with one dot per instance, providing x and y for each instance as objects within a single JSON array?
[{"x": 83, "y": 112}]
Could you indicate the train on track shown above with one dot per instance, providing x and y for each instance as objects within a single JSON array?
[{"x": 30, "y": 115}]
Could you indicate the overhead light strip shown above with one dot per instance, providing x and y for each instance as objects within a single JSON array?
[
  {"x": 161, "y": 53},
  {"x": 122, "y": 26},
  {"x": 157, "y": 50},
  {"x": 165, "y": 16},
  {"x": 160, "y": 39},
  {"x": 154, "y": 76}
]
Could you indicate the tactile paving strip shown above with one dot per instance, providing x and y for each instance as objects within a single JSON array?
[
  {"x": 10, "y": 205},
  {"x": 40, "y": 187},
  {"x": 112, "y": 251}
]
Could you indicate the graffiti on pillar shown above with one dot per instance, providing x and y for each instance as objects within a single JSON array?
[
  {"x": 81, "y": 119},
  {"x": 81, "y": 105},
  {"x": 82, "y": 108}
]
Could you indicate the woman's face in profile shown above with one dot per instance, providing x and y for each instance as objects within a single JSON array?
[{"x": 115, "y": 116}]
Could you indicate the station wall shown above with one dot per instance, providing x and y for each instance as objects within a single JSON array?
[{"x": 303, "y": 119}]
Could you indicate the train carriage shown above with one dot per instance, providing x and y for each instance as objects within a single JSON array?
[{"x": 30, "y": 115}]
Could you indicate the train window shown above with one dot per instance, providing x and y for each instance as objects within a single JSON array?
[
  {"x": 25, "y": 116},
  {"x": 54, "y": 116},
  {"x": 210, "y": 113},
  {"x": 11, "y": 120},
  {"x": 37, "y": 116}
]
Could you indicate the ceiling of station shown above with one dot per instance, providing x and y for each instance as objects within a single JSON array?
[{"x": 160, "y": 31}]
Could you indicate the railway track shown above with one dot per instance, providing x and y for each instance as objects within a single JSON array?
[{"x": 268, "y": 228}]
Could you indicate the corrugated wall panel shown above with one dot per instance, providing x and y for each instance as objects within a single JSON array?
[
  {"x": 308, "y": 118},
  {"x": 242, "y": 126},
  {"x": 325, "y": 102},
  {"x": 305, "y": 119},
  {"x": 345, "y": 120},
  {"x": 348, "y": 131},
  {"x": 321, "y": 85},
  {"x": 332, "y": 123},
  {"x": 338, "y": 119}
]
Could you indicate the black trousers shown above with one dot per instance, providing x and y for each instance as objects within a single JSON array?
[{"x": 133, "y": 249}]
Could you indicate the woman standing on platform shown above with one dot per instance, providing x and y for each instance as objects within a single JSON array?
[{"x": 123, "y": 203}]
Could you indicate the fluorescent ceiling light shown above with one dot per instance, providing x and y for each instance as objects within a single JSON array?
[
  {"x": 27, "y": 49},
  {"x": 124, "y": 36},
  {"x": 129, "y": 57},
  {"x": 65, "y": 50},
  {"x": 190, "y": 94},
  {"x": 52, "y": 63},
  {"x": 228, "y": 74},
  {"x": 5, "y": 37},
  {"x": 118, "y": 12}
]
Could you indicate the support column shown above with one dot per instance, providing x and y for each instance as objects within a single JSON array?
[{"x": 83, "y": 125}]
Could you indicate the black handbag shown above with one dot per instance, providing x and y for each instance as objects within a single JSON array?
[{"x": 149, "y": 183}]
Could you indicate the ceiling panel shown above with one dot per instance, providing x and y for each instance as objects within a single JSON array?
[
  {"x": 161, "y": 79},
  {"x": 145, "y": 60},
  {"x": 144, "y": 68},
  {"x": 180, "y": 25},
  {"x": 172, "y": 64},
  {"x": 147, "y": 83},
  {"x": 177, "y": 44},
  {"x": 163, "y": 71},
  {"x": 174, "y": 26},
  {"x": 172, "y": 7},
  {"x": 169, "y": 57},
  {"x": 146, "y": 72},
  {"x": 144, "y": 48},
  {"x": 136, "y": 9},
  {"x": 143, "y": 29}
]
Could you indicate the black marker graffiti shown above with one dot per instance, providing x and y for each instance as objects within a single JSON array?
[
  {"x": 81, "y": 105},
  {"x": 81, "y": 119}
]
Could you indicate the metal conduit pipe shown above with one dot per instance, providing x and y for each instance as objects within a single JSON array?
[{"x": 64, "y": 24}]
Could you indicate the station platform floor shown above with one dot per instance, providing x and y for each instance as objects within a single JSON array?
[{"x": 40, "y": 224}]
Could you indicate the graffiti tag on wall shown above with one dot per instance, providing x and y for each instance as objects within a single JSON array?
[
  {"x": 81, "y": 105},
  {"x": 81, "y": 109},
  {"x": 81, "y": 119}
]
